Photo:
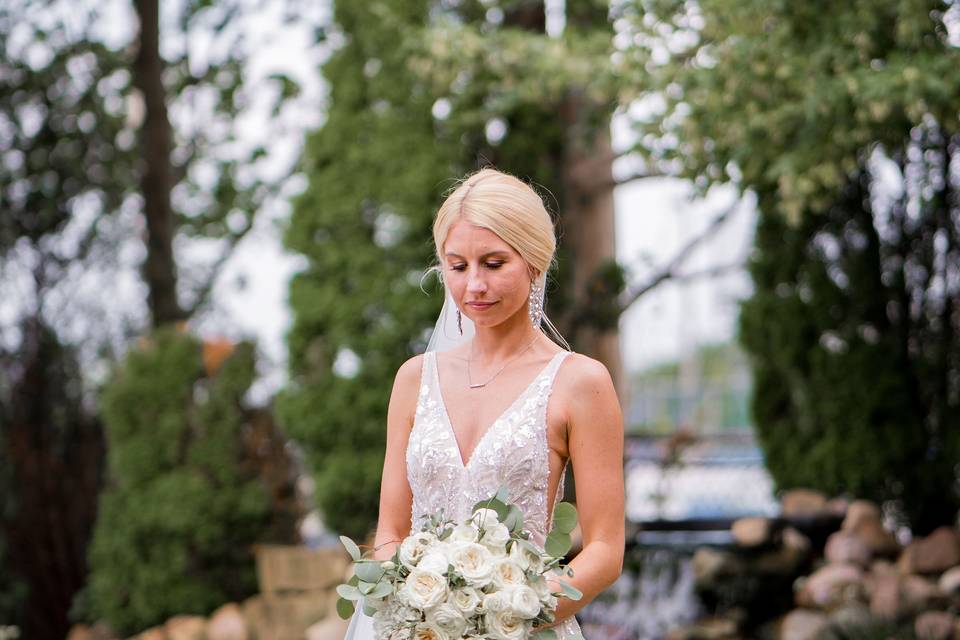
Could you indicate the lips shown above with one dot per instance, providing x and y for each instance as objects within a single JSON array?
[{"x": 481, "y": 305}]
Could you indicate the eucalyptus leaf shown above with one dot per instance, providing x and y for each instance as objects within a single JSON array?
[
  {"x": 565, "y": 517},
  {"x": 503, "y": 493},
  {"x": 348, "y": 592},
  {"x": 369, "y": 570},
  {"x": 366, "y": 587},
  {"x": 381, "y": 590},
  {"x": 570, "y": 591},
  {"x": 368, "y": 608},
  {"x": 351, "y": 547},
  {"x": 546, "y": 634},
  {"x": 514, "y": 519},
  {"x": 558, "y": 544},
  {"x": 344, "y": 608}
]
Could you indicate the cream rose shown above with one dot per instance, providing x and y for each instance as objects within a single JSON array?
[
  {"x": 507, "y": 574},
  {"x": 465, "y": 599},
  {"x": 473, "y": 562},
  {"x": 424, "y": 588},
  {"x": 496, "y": 601},
  {"x": 414, "y": 546},
  {"x": 495, "y": 538},
  {"x": 524, "y": 602},
  {"x": 435, "y": 560},
  {"x": 448, "y": 619},
  {"x": 503, "y": 625},
  {"x": 525, "y": 558},
  {"x": 427, "y": 631},
  {"x": 485, "y": 518},
  {"x": 463, "y": 533}
]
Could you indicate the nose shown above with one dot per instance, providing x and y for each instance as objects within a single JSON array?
[{"x": 475, "y": 282}]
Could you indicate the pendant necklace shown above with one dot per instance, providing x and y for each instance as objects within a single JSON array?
[{"x": 483, "y": 384}]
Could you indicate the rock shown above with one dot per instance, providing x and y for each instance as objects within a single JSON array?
[
  {"x": 185, "y": 628},
  {"x": 830, "y": 586},
  {"x": 803, "y": 624},
  {"x": 851, "y": 617},
  {"x": 802, "y": 502},
  {"x": 935, "y": 553},
  {"x": 935, "y": 625},
  {"x": 785, "y": 561},
  {"x": 886, "y": 602},
  {"x": 705, "y": 629},
  {"x": 859, "y": 512},
  {"x": 710, "y": 566},
  {"x": 227, "y": 623},
  {"x": 837, "y": 506},
  {"x": 793, "y": 539},
  {"x": 950, "y": 581},
  {"x": 845, "y": 547},
  {"x": 919, "y": 594},
  {"x": 330, "y": 628},
  {"x": 752, "y": 532},
  {"x": 80, "y": 632},
  {"x": 880, "y": 541},
  {"x": 153, "y": 633}
]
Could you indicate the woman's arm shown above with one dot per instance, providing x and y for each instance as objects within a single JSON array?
[
  {"x": 595, "y": 441},
  {"x": 393, "y": 524}
]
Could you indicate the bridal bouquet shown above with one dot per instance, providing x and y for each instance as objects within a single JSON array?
[{"x": 479, "y": 578}]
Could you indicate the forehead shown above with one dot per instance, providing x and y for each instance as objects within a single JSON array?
[{"x": 465, "y": 238}]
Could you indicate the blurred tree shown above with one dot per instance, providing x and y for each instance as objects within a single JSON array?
[
  {"x": 465, "y": 85},
  {"x": 179, "y": 515},
  {"x": 89, "y": 161},
  {"x": 843, "y": 123}
]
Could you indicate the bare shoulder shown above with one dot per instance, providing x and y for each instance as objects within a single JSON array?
[
  {"x": 408, "y": 375},
  {"x": 403, "y": 398},
  {"x": 582, "y": 374}
]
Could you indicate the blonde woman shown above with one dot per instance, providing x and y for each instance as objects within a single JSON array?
[{"x": 494, "y": 401}]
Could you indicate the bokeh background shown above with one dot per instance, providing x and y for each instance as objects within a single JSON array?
[{"x": 214, "y": 223}]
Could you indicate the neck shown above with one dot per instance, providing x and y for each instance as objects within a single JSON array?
[{"x": 495, "y": 344}]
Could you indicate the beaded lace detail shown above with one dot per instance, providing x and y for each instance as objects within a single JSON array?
[{"x": 513, "y": 451}]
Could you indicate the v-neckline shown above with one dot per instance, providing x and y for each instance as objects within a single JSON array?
[{"x": 489, "y": 428}]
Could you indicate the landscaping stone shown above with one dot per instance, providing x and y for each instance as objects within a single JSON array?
[
  {"x": 227, "y": 623},
  {"x": 185, "y": 628},
  {"x": 831, "y": 585},
  {"x": 845, "y": 547},
  {"x": 860, "y": 512},
  {"x": 935, "y": 553},
  {"x": 802, "y": 502},
  {"x": 752, "y": 532},
  {"x": 949, "y": 582},
  {"x": 803, "y": 624},
  {"x": 935, "y": 625}
]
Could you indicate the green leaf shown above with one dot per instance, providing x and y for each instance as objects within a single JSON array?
[
  {"x": 558, "y": 544},
  {"x": 514, "y": 519},
  {"x": 368, "y": 608},
  {"x": 351, "y": 547},
  {"x": 570, "y": 591},
  {"x": 344, "y": 608},
  {"x": 369, "y": 570},
  {"x": 546, "y": 634},
  {"x": 348, "y": 592},
  {"x": 565, "y": 517},
  {"x": 503, "y": 493},
  {"x": 382, "y": 589}
]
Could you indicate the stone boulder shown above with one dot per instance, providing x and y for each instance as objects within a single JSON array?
[
  {"x": 935, "y": 625},
  {"x": 802, "y": 503},
  {"x": 844, "y": 547},
  {"x": 860, "y": 512},
  {"x": 831, "y": 586},
  {"x": 186, "y": 628},
  {"x": 949, "y": 582},
  {"x": 227, "y": 623},
  {"x": 752, "y": 532},
  {"x": 803, "y": 624},
  {"x": 935, "y": 553}
]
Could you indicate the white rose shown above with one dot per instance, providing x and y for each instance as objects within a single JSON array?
[
  {"x": 525, "y": 602},
  {"x": 485, "y": 518},
  {"x": 463, "y": 533},
  {"x": 496, "y": 601},
  {"x": 427, "y": 631},
  {"x": 495, "y": 538},
  {"x": 414, "y": 546},
  {"x": 465, "y": 599},
  {"x": 448, "y": 619},
  {"x": 503, "y": 625},
  {"x": 435, "y": 560},
  {"x": 541, "y": 587},
  {"x": 507, "y": 574},
  {"x": 473, "y": 562},
  {"x": 424, "y": 588},
  {"x": 525, "y": 558}
]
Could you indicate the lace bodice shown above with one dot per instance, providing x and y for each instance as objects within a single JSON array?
[{"x": 512, "y": 451}]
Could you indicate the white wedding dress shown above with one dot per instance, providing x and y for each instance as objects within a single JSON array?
[{"x": 513, "y": 452}]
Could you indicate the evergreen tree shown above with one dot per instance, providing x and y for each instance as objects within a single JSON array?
[
  {"x": 178, "y": 517},
  {"x": 853, "y": 326}
]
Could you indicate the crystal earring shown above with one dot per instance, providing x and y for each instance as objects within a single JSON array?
[
  {"x": 460, "y": 321},
  {"x": 536, "y": 303}
]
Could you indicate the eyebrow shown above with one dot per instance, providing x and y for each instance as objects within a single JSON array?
[{"x": 450, "y": 254}]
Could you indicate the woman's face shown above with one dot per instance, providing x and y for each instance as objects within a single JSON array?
[{"x": 487, "y": 278}]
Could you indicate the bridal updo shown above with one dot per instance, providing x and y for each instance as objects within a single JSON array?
[{"x": 508, "y": 207}]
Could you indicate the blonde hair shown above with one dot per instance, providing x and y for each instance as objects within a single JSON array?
[{"x": 508, "y": 207}]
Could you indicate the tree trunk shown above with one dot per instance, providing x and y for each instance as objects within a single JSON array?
[{"x": 159, "y": 269}]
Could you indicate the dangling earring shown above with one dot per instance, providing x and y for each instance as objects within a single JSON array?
[
  {"x": 460, "y": 321},
  {"x": 536, "y": 303}
]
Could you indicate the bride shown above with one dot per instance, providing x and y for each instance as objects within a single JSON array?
[{"x": 495, "y": 402}]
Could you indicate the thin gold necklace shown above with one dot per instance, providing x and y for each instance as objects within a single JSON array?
[{"x": 483, "y": 384}]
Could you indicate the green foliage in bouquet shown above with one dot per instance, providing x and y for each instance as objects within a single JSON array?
[
  {"x": 375, "y": 579},
  {"x": 179, "y": 515}
]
